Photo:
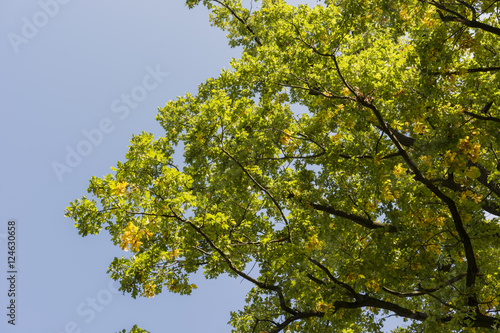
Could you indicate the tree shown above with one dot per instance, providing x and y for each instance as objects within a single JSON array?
[
  {"x": 134, "y": 329},
  {"x": 352, "y": 153}
]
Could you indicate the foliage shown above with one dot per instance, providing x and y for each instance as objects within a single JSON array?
[
  {"x": 352, "y": 153},
  {"x": 134, "y": 329}
]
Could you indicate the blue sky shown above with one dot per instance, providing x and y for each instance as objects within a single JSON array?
[{"x": 78, "y": 78}]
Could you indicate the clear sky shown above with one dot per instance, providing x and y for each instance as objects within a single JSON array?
[{"x": 78, "y": 78}]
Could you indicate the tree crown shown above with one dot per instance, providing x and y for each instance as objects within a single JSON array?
[{"x": 352, "y": 153}]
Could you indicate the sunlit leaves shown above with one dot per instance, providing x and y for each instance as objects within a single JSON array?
[
  {"x": 350, "y": 154},
  {"x": 132, "y": 237},
  {"x": 118, "y": 188}
]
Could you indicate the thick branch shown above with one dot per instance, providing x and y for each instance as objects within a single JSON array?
[
  {"x": 397, "y": 309},
  {"x": 403, "y": 139},
  {"x": 361, "y": 301},
  {"x": 471, "y": 23},
  {"x": 366, "y": 301},
  {"x": 362, "y": 221},
  {"x": 481, "y": 117},
  {"x": 457, "y": 17},
  {"x": 472, "y": 269}
]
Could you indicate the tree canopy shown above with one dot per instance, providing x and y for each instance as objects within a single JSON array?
[{"x": 352, "y": 153}]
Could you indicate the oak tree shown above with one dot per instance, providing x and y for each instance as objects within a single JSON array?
[{"x": 352, "y": 153}]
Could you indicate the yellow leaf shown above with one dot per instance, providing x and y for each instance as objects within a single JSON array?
[
  {"x": 281, "y": 98},
  {"x": 336, "y": 137},
  {"x": 419, "y": 128},
  {"x": 285, "y": 139},
  {"x": 172, "y": 255},
  {"x": 399, "y": 170},
  {"x": 440, "y": 221},
  {"x": 473, "y": 172},
  {"x": 321, "y": 307},
  {"x": 372, "y": 284},
  {"x": 474, "y": 154},
  {"x": 476, "y": 197},
  {"x": 149, "y": 290},
  {"x": 449, "y": 157},
  {"x": 386, "y": 194},
  {"x": 124, "y": 246},
  {"x": 118, "y": 188},
  {"x": 313, "y": 243},
  {"x": 131, "y": 238}
]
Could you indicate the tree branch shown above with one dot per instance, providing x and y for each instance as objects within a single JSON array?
[
  {"x": 457, "y": 17},
  {"x": 241, "y": 20},
  {"x": 481, "y": 117},
  {"x": 391, "y": 155},
  {"x": 362, "y": 221},
  {"x": 347, "y": 287},
  {"x": 472, "y": 268},
  {"x": 366, "y": 300},
  {"x": 231, "y": 265},
  {"x": 469, "y": 70},
  {"x": 301, "y": 315},
  {"x": 262, "y": 188},
  {"x": 424, "y": 291},
  {"x": 483, "y": 179}
]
